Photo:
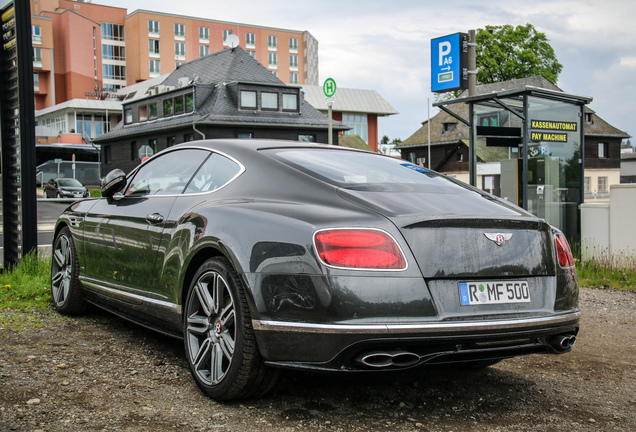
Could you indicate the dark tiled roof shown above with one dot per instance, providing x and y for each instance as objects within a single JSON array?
[{"x": 215, "y": 78}]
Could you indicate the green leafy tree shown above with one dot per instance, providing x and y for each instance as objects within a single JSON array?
[
  {"x": 384, "y": 140},
  {"x": 505, "y": 53}
]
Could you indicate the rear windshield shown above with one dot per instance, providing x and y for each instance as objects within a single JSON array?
[{"x": 352, "y": 169}]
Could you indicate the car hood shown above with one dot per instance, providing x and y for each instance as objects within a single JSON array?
[{"x": 449, "y": 232}]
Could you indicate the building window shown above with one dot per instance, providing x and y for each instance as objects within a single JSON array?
[
  {"x": 178, "y": 104},
  {"x": 587, "y": 183},
  {"x": 152, "y": 111},
  {"x": 204, "y": 50},
  {"x": 602, "y": 184},
  {"x": 179, "y": 31},
  {"x": 252, "y": 53},
  {"x": 269, "y": 101},
  {"x": 358, "y": 124},
  {"x": 245, "y": 135},
  {"x": 107, "y": 155},
  {"x": 293, "y": 45},
  {"x": 110, "y": 71},
  {"x": 114, "y": 31},
  {"x": 250, "y": 40},
  {"x": 273, "y": 60},
  {"x": 460, "y": 157},
  {"x": 226, "y": 33},
  {"x": 115, "y": 52},
  {"x": 153, "y": 28},
  {"x": 248, "y": 99},
  {"x": 36, "y": 82},
  {"x": 204, "y": 34},
  {"x": 153, "y": 47},
  {"x": 37, "y": 57},
  {"x": 167, "y": 107},
  {"x": 101, "y": 125},
  {"x": 179, "y": 51},
  {"x": 189, "y": 102},
  {"x": 36, "y": 34},
  {"x": 293, "y": 77},
  {"x": 133, "y": 150},
  {"x": 589, "y": 118},
  {"x": 177, "y": 64},
  {"x": 293, "y": 62},
  {"x": 290, "y": 102},
  {"x": 188, "y": 137},
  {"x": 602, "y": 151},
  {"x": 272, "y": 42},
  {"x": 448, "y": 127},
  {"x": 307, "y": 138},
  {"x": 488, "y": 119},
  {"x": 172, "y": 140},
  {"x": 143, "y": 113},
  {"x": 155, "y": 67},
  {"x": 128, "y": 116},
  {"x": 83, "y": 124}
]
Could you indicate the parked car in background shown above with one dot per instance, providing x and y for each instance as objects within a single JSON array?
[
  {"x": 265, "y": 255},
  {"x": 65, "y": 188}
]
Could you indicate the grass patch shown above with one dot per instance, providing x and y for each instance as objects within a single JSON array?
[
  {"x": 596, "y": 274},
  {"x": 26, "y": 286},
  {"x": 95, "y": 193}
]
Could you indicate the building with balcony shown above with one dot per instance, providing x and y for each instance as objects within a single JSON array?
[{"x": 88, "y": 51}]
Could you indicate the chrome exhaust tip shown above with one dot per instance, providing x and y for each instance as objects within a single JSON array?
[{"x": 383, "y": 359}]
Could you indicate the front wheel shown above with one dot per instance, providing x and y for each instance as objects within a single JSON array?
[
  {"x": 219, "y": 340},
  {"x": 65, "y": 286}
]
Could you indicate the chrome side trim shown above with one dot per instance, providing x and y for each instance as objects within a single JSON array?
[
  {"x": 128, "y": 297},
  {"x": 570, "y": 318}
]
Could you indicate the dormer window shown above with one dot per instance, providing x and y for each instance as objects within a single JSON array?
[
  {"x": 448, "y": 127},
  {"x": 589, "y": 118},
  {"x": 269, "y": 101},
  {"x": 248, "y": 99}
]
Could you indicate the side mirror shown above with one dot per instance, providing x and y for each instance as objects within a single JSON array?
[{"x": 113, "y": 183}]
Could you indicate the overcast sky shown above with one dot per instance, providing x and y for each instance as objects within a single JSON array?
[{"x": 384, "y": 45}]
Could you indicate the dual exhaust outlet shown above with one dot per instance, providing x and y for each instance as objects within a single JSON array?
[
  {"x": 404, "y": 359},
  {"x": 562, "y": 343}
]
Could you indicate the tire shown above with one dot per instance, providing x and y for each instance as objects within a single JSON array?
[
  {"x": 65, "y": 286},
  {"x": 219, "y": 340}
]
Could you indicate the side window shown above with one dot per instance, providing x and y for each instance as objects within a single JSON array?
[
  {"x": 167, "y": 174},
  {"x": 215, "y": 173}
]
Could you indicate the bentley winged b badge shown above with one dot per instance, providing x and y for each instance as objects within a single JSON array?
[{"x": 498, "y": 238}]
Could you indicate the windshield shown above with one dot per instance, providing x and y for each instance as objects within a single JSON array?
[{"x": 69, "y": 183}]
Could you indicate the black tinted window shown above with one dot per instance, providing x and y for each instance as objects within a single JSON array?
[
  {"x": 166, "y": 174},
  {"x": 215, "y": 173}
]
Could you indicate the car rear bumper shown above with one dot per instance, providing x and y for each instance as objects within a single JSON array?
[{"x": 390, "y": 346}]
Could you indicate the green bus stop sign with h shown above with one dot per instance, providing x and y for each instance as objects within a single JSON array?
[{"x": 329, "y": 87}]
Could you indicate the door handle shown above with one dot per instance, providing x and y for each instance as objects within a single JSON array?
[{"x": 154, "y": 218}]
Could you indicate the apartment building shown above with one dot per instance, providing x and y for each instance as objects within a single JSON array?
[{"x": 88, "y": 50}]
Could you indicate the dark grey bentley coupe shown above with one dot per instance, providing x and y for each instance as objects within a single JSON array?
[{"x": 264, "y": 255}]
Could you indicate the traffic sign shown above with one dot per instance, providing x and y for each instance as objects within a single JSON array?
[
  {"x": 449, "y": 62},
  {"x": 329, "y": 87}
]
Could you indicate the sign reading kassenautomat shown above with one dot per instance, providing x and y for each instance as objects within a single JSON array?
[{"x": 547, "y": 125}]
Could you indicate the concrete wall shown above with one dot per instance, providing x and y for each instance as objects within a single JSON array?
[{"x": 607, "y": 229}]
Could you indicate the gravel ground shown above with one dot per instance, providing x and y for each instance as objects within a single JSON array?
[{"x": 99, "y": 373}]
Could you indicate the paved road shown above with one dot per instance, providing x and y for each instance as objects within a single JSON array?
[{"x": 48, "y": 212}]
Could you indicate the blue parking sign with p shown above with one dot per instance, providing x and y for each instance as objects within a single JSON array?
[{"x": 449, "y": 57}]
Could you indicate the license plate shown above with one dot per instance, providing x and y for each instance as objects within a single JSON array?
[{"x": 493, "y": 292}]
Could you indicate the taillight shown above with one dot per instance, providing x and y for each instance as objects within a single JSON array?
[
  {"x": 359, "y": 249},
  {"x": 564, "y": 254}
]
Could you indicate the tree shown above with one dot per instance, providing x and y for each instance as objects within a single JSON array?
[
  {"x": 505, "y": 53},
  {"x": 384, "y": 140}
]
